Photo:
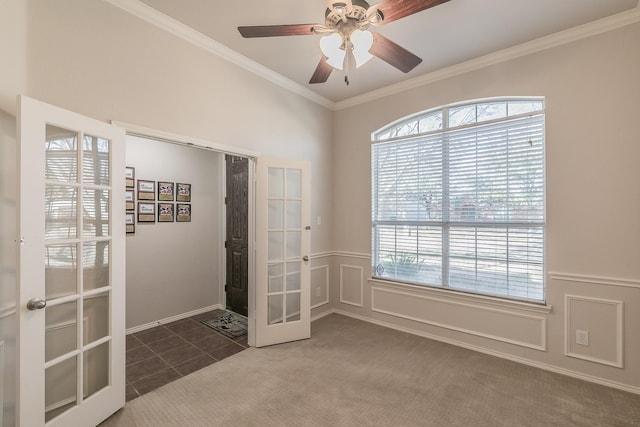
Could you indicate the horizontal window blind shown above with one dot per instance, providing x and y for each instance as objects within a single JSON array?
[{"x": 463, "y": 208}]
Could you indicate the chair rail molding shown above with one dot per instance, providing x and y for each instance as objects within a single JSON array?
[{"x": 594, "y": 280}]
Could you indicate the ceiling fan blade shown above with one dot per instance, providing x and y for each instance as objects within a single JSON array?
[
  {"x": 322, "y": 72},
  {"x": 392, "y": 10},
  {"x": 277, "y": 30},
  {"x": 393, "y": 53}
]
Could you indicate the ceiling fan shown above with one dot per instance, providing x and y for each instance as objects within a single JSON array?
[{"x": 346, "y": 40}]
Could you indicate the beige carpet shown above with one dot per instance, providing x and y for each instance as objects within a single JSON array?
[{"x": 352, "y": 373}]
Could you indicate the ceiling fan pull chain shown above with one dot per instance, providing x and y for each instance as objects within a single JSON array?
[{"x": 349, "y": 60}]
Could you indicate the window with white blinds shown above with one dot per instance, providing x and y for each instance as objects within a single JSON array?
[{"x": 459, "y": 199}]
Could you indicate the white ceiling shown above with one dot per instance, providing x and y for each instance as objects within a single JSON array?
[{"x": 443, "y": 36}]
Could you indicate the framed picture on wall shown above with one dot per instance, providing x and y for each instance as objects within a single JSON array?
[
  {"x": 165, "y": 212},
  {"x": 183, "y": 192},
  {"x": 129, "y": 176},
  {"x": 146, "y": 190},
  {"x": 165, "y": 191},
  {"x": 130, "y": 222},
  {"x": 183, "y": 212},
  {"x": 129, "y": 199},
  {"x": 146, "y": 212}
]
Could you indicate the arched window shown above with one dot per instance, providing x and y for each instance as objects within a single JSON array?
[{"x": 458, "y": 198}]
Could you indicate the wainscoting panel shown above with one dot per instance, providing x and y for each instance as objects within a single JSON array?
[
  {"x": 351, "y": 285},
  {"x": 602, "y": 319},
  {"x": 525, "y": 330},
  {"x": 319, "y": 286}
]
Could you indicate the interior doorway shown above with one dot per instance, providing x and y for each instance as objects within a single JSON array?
[{"x": 237, "y": 234}]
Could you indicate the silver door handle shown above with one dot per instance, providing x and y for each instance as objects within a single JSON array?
[
  {"x": 36, "y": 304},
  {"x": 305, "y": 258}
]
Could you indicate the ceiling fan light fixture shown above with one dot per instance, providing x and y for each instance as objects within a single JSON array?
[
  {"x": 362, "y": 42},
  {"x": 347, "y": 43},
  {"x": 330, "y": 45}
]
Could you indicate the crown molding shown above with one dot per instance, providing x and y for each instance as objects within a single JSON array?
[
  {"x": 178, "y": 29},
  {"x": 563, "y": 37},
  {"x": 166, "y": 23}
]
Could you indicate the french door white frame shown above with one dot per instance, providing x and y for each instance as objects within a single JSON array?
[
  {"x": 253, "y": 157},
  {"x": 170, "y": 138},
  {"x": 33, "y": 116},
  {"x": 272, "y": 252}
]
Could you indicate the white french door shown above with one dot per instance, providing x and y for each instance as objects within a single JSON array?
[
  {"x": 283, "y": 243},
  {"x": 71, "y": 268}
]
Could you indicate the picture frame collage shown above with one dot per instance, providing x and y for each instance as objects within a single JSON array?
[{"x": 157, "y": 201}]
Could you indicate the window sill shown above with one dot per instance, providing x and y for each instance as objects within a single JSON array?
[{"x": 462, "y": 296}]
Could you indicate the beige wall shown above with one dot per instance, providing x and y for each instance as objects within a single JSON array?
[
  {"x": 593, "y": 211},
  {"x": 13, "y": 52},
  {"x": 93, "y": 58},
  {"x": 90, "y": 57},
  {"x": 174, "y": 267}
]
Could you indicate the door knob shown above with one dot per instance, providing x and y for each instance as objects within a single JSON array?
[
  {"x": 305, "y": 258},
  {"x": 36, "y": 304}
]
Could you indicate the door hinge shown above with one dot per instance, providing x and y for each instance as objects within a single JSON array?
[
  {"x": 226, "y": 200},
  {"x": 226, "y": 288},
  {"x": 225, "y": 244}
]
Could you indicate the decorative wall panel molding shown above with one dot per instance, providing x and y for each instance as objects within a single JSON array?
[
  {"x": 465, "y": 297},
  {"x": 603, "y": 322},
  {"x": 507, "y": 326},
  {"x": 320, "y": 278},
  {"x": 485, "y": 350},
  {"x": 351, "y": 285}
]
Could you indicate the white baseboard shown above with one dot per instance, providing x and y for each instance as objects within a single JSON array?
[
  {"x": 321, "y": 315},
  {"x": 174, "y": 318},
  {"x": 524, "y": 361}
]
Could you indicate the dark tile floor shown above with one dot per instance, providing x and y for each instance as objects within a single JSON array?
[{"x": 167, "y": 352}]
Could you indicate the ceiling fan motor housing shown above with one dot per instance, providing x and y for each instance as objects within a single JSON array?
[{"x": 337, "y": 15}]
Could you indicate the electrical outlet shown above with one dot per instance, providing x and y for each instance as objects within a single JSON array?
[
  {"x": 318, "y": 291},
  {"x": 582, "y": 337}
]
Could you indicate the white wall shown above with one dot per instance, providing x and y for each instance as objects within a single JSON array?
[
  {"x": 173, "y": 267},
  {"x": 593, "y": 212},
  {"x": 8, "y": 265}
]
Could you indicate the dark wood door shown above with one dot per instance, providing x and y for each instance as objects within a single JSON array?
[{"x": 237, "y": 244}]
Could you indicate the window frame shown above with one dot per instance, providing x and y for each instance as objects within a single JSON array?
[{"x": 383, "y": 136}]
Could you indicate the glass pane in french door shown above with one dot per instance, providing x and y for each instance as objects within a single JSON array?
[
  {"x": 77, "y": 268},
  {"x": 283, "y": 245}
]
